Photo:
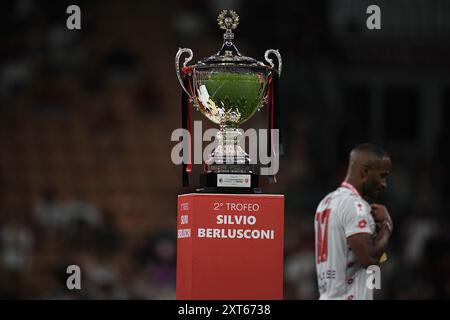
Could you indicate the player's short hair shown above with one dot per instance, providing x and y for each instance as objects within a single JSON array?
[{"x": 371, "y": 149}]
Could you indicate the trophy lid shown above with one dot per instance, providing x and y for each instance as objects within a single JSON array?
[{"x": 228, "y": 20}]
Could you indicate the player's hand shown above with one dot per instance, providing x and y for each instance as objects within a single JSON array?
[{"x": 380, "y": 213}]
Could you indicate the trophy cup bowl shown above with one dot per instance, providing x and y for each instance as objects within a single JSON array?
[
  {"x": 229, "y": 96},
  {"x": 227, "y": 88}
]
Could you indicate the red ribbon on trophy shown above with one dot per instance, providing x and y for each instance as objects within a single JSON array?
[
  {"x": 273, "y": 116},
  {"x": 186, "y": 124}
]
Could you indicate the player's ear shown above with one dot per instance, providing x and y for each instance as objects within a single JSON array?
[{"x": 364, "y": 172}]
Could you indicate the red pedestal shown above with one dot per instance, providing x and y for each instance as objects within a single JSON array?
[{"x": 230, "y": 246}]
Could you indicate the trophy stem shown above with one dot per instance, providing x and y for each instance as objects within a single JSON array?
[{"x": 229, "y": 156}]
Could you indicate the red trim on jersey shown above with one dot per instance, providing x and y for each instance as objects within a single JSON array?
[
  {"x": 361, "y": 232},
  {"x": 347, "y": 185}
]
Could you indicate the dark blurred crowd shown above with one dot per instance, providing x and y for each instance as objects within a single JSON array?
[
  {"x": 36, "y": 254},
  {"x": 86, "y": 117}
]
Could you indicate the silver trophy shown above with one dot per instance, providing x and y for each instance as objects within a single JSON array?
[{"x": 227, "y": 88}]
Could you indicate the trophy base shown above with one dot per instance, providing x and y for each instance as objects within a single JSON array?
[{"x": 215, "y": 182}]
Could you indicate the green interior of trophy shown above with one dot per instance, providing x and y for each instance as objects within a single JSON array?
[{"x": 238, "y": 94}]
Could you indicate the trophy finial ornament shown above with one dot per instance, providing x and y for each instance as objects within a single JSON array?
[{"x": 228, "y": 20}]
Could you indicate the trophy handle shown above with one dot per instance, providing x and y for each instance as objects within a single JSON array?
[
  {"x": 270, "y": 61},
  {"x": 177, "y": 67}
]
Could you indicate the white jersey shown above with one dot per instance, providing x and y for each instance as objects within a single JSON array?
[{"x": 339, "y": 215}]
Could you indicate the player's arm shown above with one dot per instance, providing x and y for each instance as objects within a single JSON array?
[{"x": 368, "y": 249}]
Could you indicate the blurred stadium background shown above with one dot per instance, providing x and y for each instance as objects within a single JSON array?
[{"x": 86, "y": 117}]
